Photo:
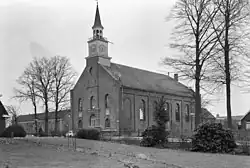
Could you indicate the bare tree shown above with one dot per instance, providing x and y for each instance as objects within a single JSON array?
[
  {"x": 63, "y": 75},
  {"x": 14, "y": 112},
  {"x": 28, "y": 91},
  {"x": 233, "y": 18},
  {"x": 42, "y": 71},
  {"x": 196, "y": 40}
]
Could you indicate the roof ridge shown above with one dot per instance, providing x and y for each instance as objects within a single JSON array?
[{"x": 172, "y": 79}]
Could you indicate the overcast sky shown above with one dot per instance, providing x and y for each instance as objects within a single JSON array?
[{"x": 137, "y": 28}]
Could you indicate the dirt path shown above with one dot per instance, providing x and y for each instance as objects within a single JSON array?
[{"x": 171, "y": 157}]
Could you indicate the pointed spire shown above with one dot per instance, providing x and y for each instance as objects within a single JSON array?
[{"x": 97, "y": 18}]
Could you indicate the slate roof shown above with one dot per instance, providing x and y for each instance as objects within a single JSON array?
[
  {"x": 243, "y": 117},
  {"x": 206, "y": 114},
  {"x": 41, "y": 116},
  {"x": 2, "y": 109},
  {"x": 146, "y": 80}
]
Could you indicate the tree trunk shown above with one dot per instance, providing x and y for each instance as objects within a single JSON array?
[
  {"x": 46, "y": 117},
  {"x": 197, "y": 103},
  {"x": 227, "y": 69},
  {"x": 35, "y": 118},
  {"x": 56, "y": 118},
  {"x": 197, "y": 79}
]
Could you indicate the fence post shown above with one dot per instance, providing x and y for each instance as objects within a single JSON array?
[
  {"x": 68, "y": 141},
  {"x": 75, "y": 142}
]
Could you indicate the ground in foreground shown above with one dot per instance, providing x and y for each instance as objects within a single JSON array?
[{"x": 22, "y": 153}]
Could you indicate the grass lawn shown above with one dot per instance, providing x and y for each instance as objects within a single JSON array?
[{"x": 27, "y": 154}]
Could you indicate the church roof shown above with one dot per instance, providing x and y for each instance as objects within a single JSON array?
[
  {"x": 146, "y": 80},
  {"x": 97, "y": 22}
]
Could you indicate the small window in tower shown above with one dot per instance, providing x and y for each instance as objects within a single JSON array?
[
  {"x": 100, "y": 32},
  {"x": 97, "y": 31},
  {"x": 90, "y": 71}
]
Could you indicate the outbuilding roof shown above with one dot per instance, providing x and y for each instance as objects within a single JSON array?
[{"x": 41, "y": 116}]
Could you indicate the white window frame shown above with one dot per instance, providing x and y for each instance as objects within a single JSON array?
[{"x": 248, "y": 125}]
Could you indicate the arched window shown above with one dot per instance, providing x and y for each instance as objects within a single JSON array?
[
  {"x": 187, "y": 112},
  {"x": 107, "y": 104},
  {"x": 167, "y": 108},
  {"x": 107, "y": 123},
  {"x": 80, "y": 124},
  {"x": 92, "y": 102},
  {"x": 142, "y": 110},
  {"x": 155, "y": 103},
  {"x": 79, "y": 104},
  {"x": 107, "y": 101},
  {"x": 177, "y": 112},
  {"x": 92, "y": 120}
]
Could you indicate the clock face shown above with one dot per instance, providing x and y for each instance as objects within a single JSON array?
[{"x": 102, "y": 48}]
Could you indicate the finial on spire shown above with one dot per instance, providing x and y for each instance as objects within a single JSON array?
[{"x": 96, "y": 2}]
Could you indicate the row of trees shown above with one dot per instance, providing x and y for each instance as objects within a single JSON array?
[
  {"x": 47, "y": 81},
  {"x": 211, "y": 37}
]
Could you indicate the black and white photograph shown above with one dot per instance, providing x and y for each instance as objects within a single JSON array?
[{"x": 124, "y": 84}]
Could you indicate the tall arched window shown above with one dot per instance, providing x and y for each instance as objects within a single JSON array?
[
  {"x": 142, "y": 110},
  {"x": 187, "y": 112},
  {"x": 79, "y": 104},
  {"x": 107, "y": 101},
  {"x": 92, "y": 120},
  {"x": 167, "y": 108},
  {"x": 154, "y": 107},
  {"x": 92, "y": 102},
  {"x": 107, "y": 104},
  {"x": 177, "y": 112}
]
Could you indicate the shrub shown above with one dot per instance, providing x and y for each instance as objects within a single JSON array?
[
  {"x": 156, "y": 135},
  {"x": 17, "y": 131},
  {"x": 212, "y": 137},
  {"x": 93, "y": 134},
  {"x": 153, "y": 136}
]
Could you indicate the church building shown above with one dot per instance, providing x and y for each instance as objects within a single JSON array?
[{"x": 119, "y": 98}]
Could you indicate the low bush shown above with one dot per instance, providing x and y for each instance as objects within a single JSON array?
[
  {"x": 93, "y": 134},
  {"x": 41, "y": 133},
  {"x": 14, "y": 130},
  {"x": 212, "y": 137},
  {"x": 58, "y": 133}
]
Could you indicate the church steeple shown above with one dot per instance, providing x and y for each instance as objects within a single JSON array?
[
  {"x": 97, "y": 22},
  {"x": 97, "y": 27},
  {"x": 98, "y": 45}
]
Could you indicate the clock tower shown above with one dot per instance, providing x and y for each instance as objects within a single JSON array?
[{"x": 98, "y": 45}]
